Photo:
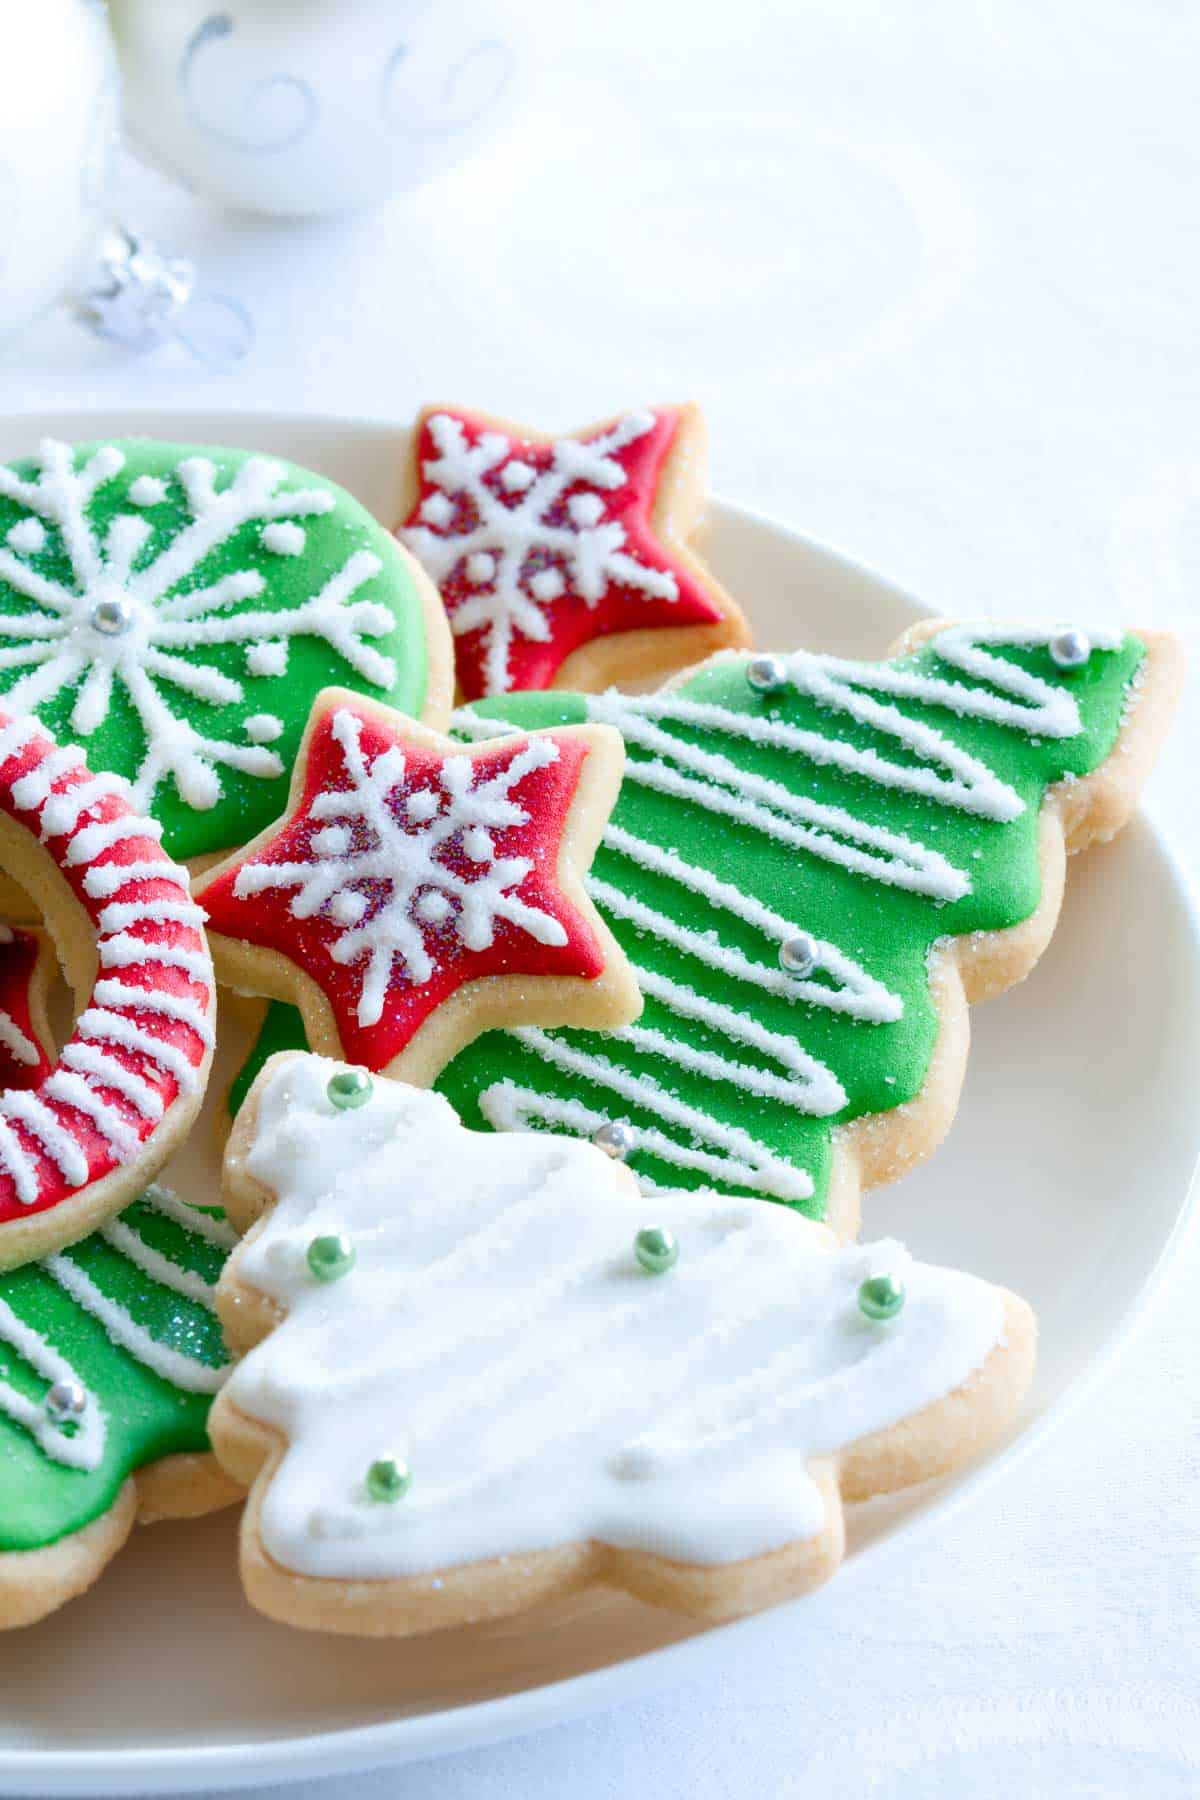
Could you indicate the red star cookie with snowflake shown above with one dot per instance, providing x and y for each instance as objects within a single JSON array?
[
  {"x": 417, "y": 892},
  {"x": 565, "y": 562},
  {"x": 25, "y": 965}
]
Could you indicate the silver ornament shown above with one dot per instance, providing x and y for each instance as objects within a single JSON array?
[
  {"x": 1070, "y": 649},
  {"x": 799, "y": 955},
  {"x": 112, "y": 617},
  {"x": 766, "y": 674},
  {"x": 66, "y": 1400},
  {"x": 615, "y": 1138},
  {"x": 141, "y": 297}
]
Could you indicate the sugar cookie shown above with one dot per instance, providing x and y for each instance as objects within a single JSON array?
[
  {"x": 417, "y": 891},
  {"x": 566, "y": 562},
  {"x": 481, "y": 1372}
]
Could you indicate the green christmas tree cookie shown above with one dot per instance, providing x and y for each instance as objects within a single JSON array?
[
  {"x": 795, "y": 839},
  {"x": 177, "y": 609}
]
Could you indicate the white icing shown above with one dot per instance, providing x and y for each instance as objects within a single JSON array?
[
  {"x": 200, "y": 1224},
  {"x": 86, "y": 844},
  {"x": 20, "y": 1106},
  {"x": 106, "y": 879},
  {"x": 508, "y": 538},
  {"x": 29, "y": 791},
  {"x": 124, "y": 952},
  {"x": 97, "y": 1064},
  {"x": 123, "y": 913},
  {"x": 80, "y": 1448},
  {"x": 18, "y": 1165},
  {"x": 116, "y": 1028},
  {"x": 152, "y": 1262},
  {"x": 264, "y": 728},
  {"x": 283, "y": 538},
  {"x": 173, "y": 1365},
  {"x": 63, "y": 812},
  {"x": 496, "y": 1332},
  {"x": 27, "y": 536},
  {"x": 147, "y": 490},
  {"x": 72, "y": 1089},
  {"x": 395, "y": 850},
  {"x": 167, "y": 645},
  {"x": 189, "y": 1012}
]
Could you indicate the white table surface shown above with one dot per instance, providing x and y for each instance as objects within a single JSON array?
[{"x": 932, "y": 271}]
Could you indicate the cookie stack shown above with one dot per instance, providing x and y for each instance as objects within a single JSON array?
[{"x": 582, "y": 1018}]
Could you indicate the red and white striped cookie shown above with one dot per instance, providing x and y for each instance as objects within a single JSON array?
[{"x": 75, "y": 1147}]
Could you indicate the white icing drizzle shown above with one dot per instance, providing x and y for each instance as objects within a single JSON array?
[
  {"x": 97, "y": 1064},
  {"x": 30, "y": 790},
  {"x": 116, "y": 1028},
  {"x": 18, "y": 1165},
  {"x": 180, "y": 1007},
  {"x": 389, "y": 835},
  {"x": 21, "y": 1106},
  {"x": 123, "y": 913},
  {"x": 106, "y": 879},
  {"x": 62, "y": 812},
  {"x": 181, "y": 1371},
  {"x": 87, "y": 843},
  {"x": 124, "y": 952},
  {"x": 496, "y": 1332},
  {"x": 152, "y": 1262},
  {"x": 165, "y": 649},
  {"x": 72, "y": 1089},
  {"x": 522, "y": 551},
  {"x": 702, "y": 776},
  {"x": 200, "y": 1224},
  {"x": 17, "y": 735},
  {"x": 81, "y": 1448}
]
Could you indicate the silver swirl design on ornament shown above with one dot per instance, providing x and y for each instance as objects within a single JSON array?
[
  {"x": 475, "y": 84},
  {"x": 268, "y": 91}
]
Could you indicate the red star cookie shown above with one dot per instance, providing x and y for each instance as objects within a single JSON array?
[
  {"x": 417, "y": 892},
  {"x": 25, "y": 965},
  {"x": 564, "y": 562}
]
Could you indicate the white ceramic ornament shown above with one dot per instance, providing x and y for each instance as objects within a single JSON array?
[
  {"x": 58, "y": 124},
  {"x": 318, "y": 106}
]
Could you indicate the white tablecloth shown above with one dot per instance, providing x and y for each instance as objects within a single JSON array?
[{"x": 933, "y": 272}]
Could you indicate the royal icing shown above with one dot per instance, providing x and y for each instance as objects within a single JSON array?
[
  {"x": 143, "y": 1040},
  {"x": 127, "y": 1318},
  {"x": 875, "y": 807},
  {"x": 404, "y": 871},
  {"x": 497, "y": 1334},
  {"x": 23, "y": 1059},
  {"x": 538, "y": 548},
  {"x": 161, "y": 634}
]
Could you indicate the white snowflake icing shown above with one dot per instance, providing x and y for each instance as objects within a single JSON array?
[
  {"x": 383, "y": 839},
  {"x": 522, "y": 556},
  {"x": 156, "y": 649}
]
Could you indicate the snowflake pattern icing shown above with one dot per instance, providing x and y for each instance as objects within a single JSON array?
[
  {"x": 118, "y": 623},
  {"x": 384, "y": 835},
  {"x": 523, "y": 548}
]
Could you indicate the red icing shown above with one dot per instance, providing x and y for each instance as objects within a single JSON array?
[
  {"x": 266, "y": 919},
  {"x": 19, "y": 1141},
  {"x": 570, "y": 620},
  {"x": 18, "y": 965}
]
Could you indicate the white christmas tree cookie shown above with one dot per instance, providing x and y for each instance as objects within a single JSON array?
[{"x": 480, "y": 1371}]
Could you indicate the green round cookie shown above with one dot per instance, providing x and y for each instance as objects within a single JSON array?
[{"x": 177, "y": 609}]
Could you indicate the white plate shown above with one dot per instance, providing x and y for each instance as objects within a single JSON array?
[{"x": 174, "y": 1684}]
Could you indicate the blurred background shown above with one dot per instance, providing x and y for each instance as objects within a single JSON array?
[{"x": 932, "y": 272}]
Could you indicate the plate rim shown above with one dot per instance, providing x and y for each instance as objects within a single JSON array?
[{"x": 251, "y": 1762}]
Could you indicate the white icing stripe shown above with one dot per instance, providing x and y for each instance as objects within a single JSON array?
[
  {"x": 62, "y": 1149},
  {"x": 98, "y": 1065},
  {"x": 109, "y": 878},
  {"x": 152, "y": 1262},
  {"x": 21, "y": 1048},
  {"x": 18, "y": 1164},
  {"x": 126, "y": 952},
  {"x": 62, "y": 812},
  {"x": 29, "y": 791},
  {"x": 714, "y": 783},
  {"x": 17, "y": 735},
  {"x": 181, "y": 1371},
  {"x": 87, "y": 843},
  {"x": 118, "y": 1028},
  {"x": 733, "y": 1155},
  {"x": 73, "y": 1090},
  {"x": 497, "y": 1333},
  {"x": 181, "y": 1007},
  {"x": 82, "y": 1448},
  {"x": 121, "y": 914},
  {"x": 200, "y": 1224}
]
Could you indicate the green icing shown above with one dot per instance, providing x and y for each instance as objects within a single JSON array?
[
  {"x": 282, "y": 1029},
  {"x": 146, "y": 1415},
  {"x": 887, "y": 930},
  {"x": 224, "y": 777}
]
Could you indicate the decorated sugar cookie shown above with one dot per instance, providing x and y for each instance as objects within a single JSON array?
[
  {"x": 83, "y": 1136},
  {"x": 110, "y": 1354},
  {"x": 417, "y": 891},
  {"x": 566, "y": 562},
  {"x": 177, "y": 609},
  {"x": 25, "y": 967},
  {"x": 812, "y": 862},
  {"x": 462, "y": 1394}
]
